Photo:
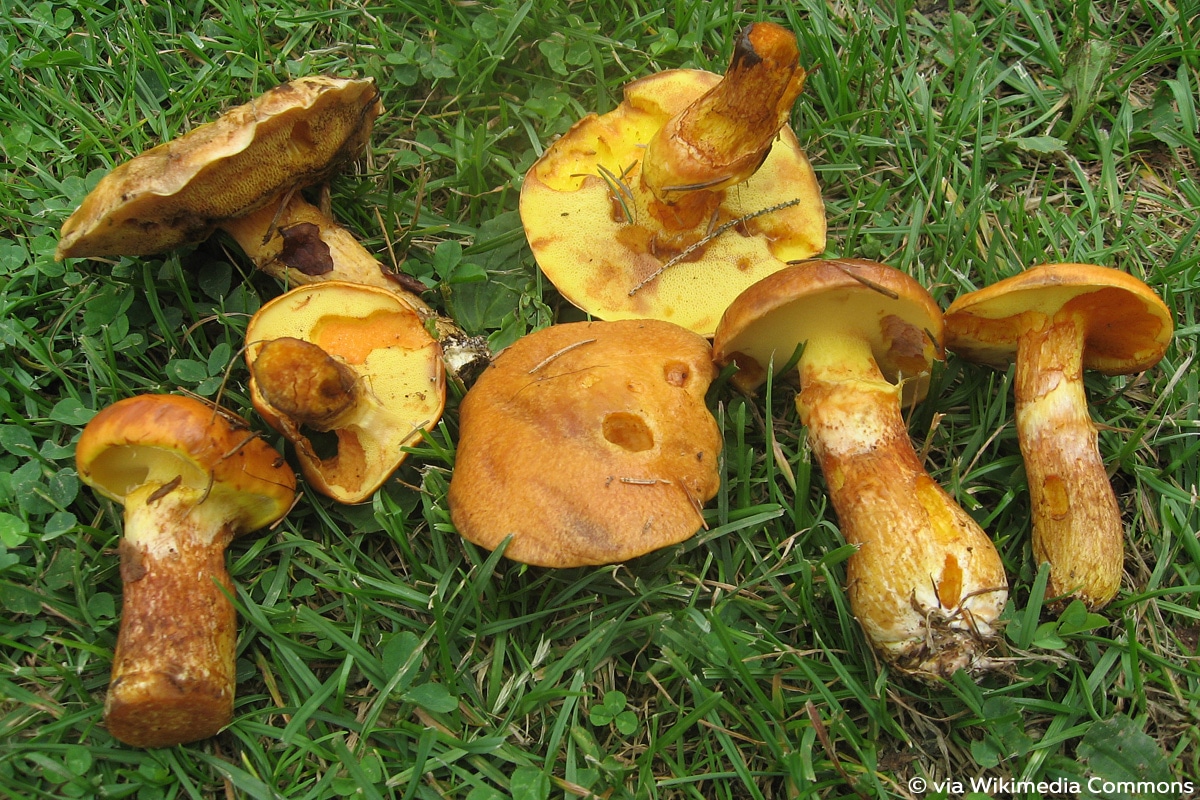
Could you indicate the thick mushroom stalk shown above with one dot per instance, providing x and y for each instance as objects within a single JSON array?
[
  {"x": 722, "y": 138},
  {"x": 1054, "y": 321},
  {"x": 190, "y": 481},
  {"x": 314, "y": 390},
  {"x": 306, "y": 384},
  {"x": 1076, "y": 521},
  {"x": 173, "y": 671},
  {"x": 293, "y": 240},
  {"x": 926, "y": 583}
]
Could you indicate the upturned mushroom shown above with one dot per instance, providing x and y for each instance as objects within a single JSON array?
[
  {"x": 351, "y": 361},
  {"x": 588, "y": 443},
  {"x": 191, "y": 479},
  {"x": 692, "y": 189},
  {"x": 926, "y": 583},
  {"x": 242, "y": 174},
  {"x": 1054, "y": 321}
]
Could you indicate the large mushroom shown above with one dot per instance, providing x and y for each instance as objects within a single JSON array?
[
  {"x": 242, "y": 174},
  {"x": 692, "y": 189},
  {"x": 926, "y": 583},
  {"x": 351, "y": 361},
  {"x": 1054, "y": 321},
  {"x": 588, "y": 443},
  {"x": 191, "y": 480}
]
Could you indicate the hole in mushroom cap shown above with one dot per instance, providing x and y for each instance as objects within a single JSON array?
[
  {"x": 677, "y": 373},
  {"x": 324, "y": 443},
  {"x": 628, "y": 431},
  {"x": 302, "y": 135}
]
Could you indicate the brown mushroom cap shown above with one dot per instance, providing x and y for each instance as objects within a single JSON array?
[
  {"x": 294, "y": 135},
  {"x": 401, "y": 384},
  {"x": 851, "y": 297},
  {"x": 599, "y": 234},
  {"x": 1128, "y": 327},
  {"x": 151, "y": 439},
  {"x": 588, "y": 443}
]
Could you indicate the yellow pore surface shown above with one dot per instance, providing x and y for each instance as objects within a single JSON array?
[{"x": 597, "y": 233}]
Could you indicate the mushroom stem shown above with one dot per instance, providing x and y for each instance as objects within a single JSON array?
[
  {"x": 305, "y": 383},
  {"x": 173, "y": 674},
  {"x": 723, "y": 137},
  {"x": 926, "y": 583},
  {"x": 294, "y": 241},
  {"x": 1076, "y": 520},
  {"x": 315, "y": 390},
  {"x": 291, "y": 239}
]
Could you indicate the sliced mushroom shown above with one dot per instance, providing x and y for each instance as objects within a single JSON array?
[
  {"x": 687, "y": 193},
  {"x": 351, "y": 361},
  {"x": 588, "y": 443},
  {"x": 191, "y": 480},
  {"x": 926, "y": 583},
  {"x": 1054, "y": 321}
]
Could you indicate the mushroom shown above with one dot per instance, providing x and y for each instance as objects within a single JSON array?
[
  {"x": 926, "y": 583},
  {"x": 191, "y": 479},
  {"x": 242, "y": 174},
  {"x": 352, "y": 361},
  {"x": 692, "y": 189},
  {"x": 588, "y": 443},
  {"x": 1054, "y": 321}
]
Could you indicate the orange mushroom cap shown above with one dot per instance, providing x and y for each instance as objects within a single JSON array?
[
  {"x": 155, "y": 438},
  {"x": 1128, "y": 326},
  {"x": 588, "y": 443},
  {"x": 767, "y": 322}
]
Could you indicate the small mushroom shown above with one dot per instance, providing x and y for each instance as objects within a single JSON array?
[
  {"x": 926, "y": 583},
  {"x": 588, "y": 443},
  {"x": 191, "y": 479},
  {"x": 350, "y": 375},
  {"x": 1055, "y": 320},
  {"x": 242, "y": 174},
  {"x": 692, "y": 189}
]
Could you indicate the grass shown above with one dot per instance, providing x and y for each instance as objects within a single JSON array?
[{"x": 381, "y": 655}]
